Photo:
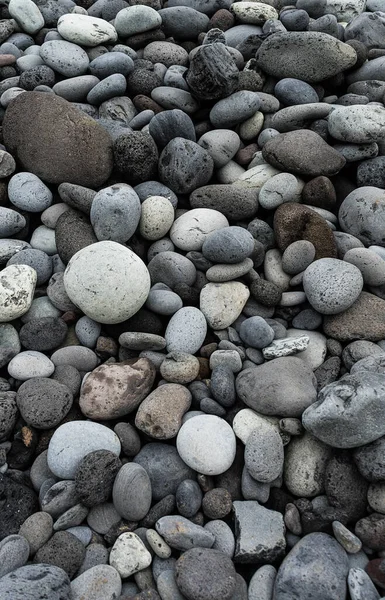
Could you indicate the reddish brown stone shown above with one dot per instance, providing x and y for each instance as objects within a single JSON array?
[{"x": 145, "y": 103}]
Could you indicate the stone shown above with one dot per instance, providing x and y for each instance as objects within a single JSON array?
[
  {"x": 303, "y": 152},
  {"x": 85, "y": 30},
  {"x": 100, "y": 582},
  {"x": 127, "y": 277},
  {"x": 160, "y": 414},
  {"x": 229, "y": 245},
  {"x": 46, "y": 147},
  {"x": 38, "y": 579},
  {"x": 136, "y": 19},
  {"x": 207, "y": 444},
  {"x": 370, "y": 530},
  {"x": 369, "y": 460},
  {"x": 129, "y": 555},
  {"x": 179, "y": 367},
  {"x": 184, "y": 165},
  {"x": 222, "y": 303},
  {"x": 331, "y": 286},
  {"x": 203, "y": 574},
  {"x": 72, "y": 441},
  {"x": 186, "y": 330},
  {"x": 357, "y": 124},
  {"x": 305, "y": 464},
  {"x": 285, "y": 347},
  {"x": 115, "y": 213},
  {"x": 157, "y": 217},
  {"x": 131, "y": 493},
  {"x": 235, "y": 109},
  {"x": 63, "y": 550},
  {"x": 43, "y": 403},
  {"x": 14, "y": 553},
  {"x": 345, "y": 401},
  {"x": 190, "y": 231},
  {"x": 232, "y": 201},
  {"x": 135, "y": 156},
  {"x": 221, "y": 144},
  {"x": 28, "y": 192},
  {"x": 212, "y": 73},
  {"x": 259, "y": 533},
  {"x": 17, "y": 286},
  {"x": 325, "y": 578},
  {"x": 269, "y": 388},
  {"x": 262, "y": 583},
  {"x": 182, "y": 534},
  {"x": 362, "y": 321},
  {"x": 361, "y": 586},
  {"x": 27, "y": 15},
  {"x": 37, "y": 530},
  {"x": 326, "y": 56},
  {"x": 361, "y": 214},
  {"x": 132, "y": 381},
  {"x": 264, "y": 455},
  {"x": 95, "y": 476},
  {"x": 293, "y": 222},
  {"x": 165, "y": 468}
]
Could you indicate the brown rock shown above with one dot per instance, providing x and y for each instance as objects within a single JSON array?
[
  {"x": 364, "y": 320},
  {"x": 293, "y": 222},
  {"x": 303, "y": 152},
  {"x": 57, "y": 142},
  {"x": 223, "y": 19},
  {"x": 145, "y": 103},
  {"x": 319, "y": 192},
  {"x": 7, "y": 59},
  {"x": 376, "y": 571},
  {"x": 160, "y": 414},
  {"x": 114, "y": 390},
  {"x": 371, "y": 531}
]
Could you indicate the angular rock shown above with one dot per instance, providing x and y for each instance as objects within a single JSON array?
[
  {"x": 212, "y": 73},
  {"x": 259, "y": 533},
  {"x": 364, "y": 320}
]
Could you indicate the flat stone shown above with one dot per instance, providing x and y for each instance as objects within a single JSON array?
[
  {"x": 259, "y": 533},
  {"x": 325, "y": 56}
]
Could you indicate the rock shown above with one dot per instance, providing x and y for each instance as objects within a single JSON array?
[
  {"x": 72, "y": 441},
  {"x": 361, "y": 586},
  {"x": 17, "y": 286},
  {"x": 38, "y": 579},
  {"x": 331, "y": 286},
  {"x": 115, "y": 213},
  {"x": 179, "y": 367},
  {"x": 293, "y": 222},
  {"x": 186, "y": 330},
  {"x": 222, "y": 303},
  {"x": 203, "y": 574},
  {"x": 264, "y": 455},
  {"x": 136, "y": 19},
  {"x": 262, "y": 583},
  {"x": 28, "y": 192},
  {"x": 190, "y": 231},
  {"x": 221, "y": 144},
  {"x": 37, "y": 530},
  {"x": 100, "y": 582},
  {"x": 305, "y": 464},
  {"x": 157, "y": 217},
  {"x": 95, "y": 476},
  {"x": 63, "y": 550},
  {"x": 132, "y": 492},
  {"x": 325, "y": 578},
  {"x": 182, "y": 534},
  {"x": 369, "y": 460},
  {"x": 303, "y": 152},
  {"x": 9, "y": 343},
  {"x": 232, "y": 201},
  {"x": 325, "y": 57},
  {"x": 363, "y": 320},
  {"x": 128, "y": 277},
  {"x": 346, "y": 401},
  {"x": 370, "y": 530},
  {"x": 259, "y": 533},
  {"x": 362, "y": 214},
  {"x": 229, "y": 245},
  {"x": 235, "y": 109},
  {"x": 165, "y": 468},
  {"x": 43, "y": 403},
  {"x": 281, "y": 188},
  {"x": 132, "y": 379},
  {"x": 36, "y": 130},
  {"x": 207, "y": 444},
  {"x": 357, "y": 124},
  {"x": 85, "y": 30},
  {"x": 184, "y": 165},
  {"x": 27, "y": 15},
  {"x": 285, "y": 347},
  {"x": 212, "y": 73},
  {"x": 269, "y": 388},
  {"x": 247, "y": 12},
  {"x": 129, "y": 555},
  {"x": 14, "y": 553},
  {"x": 160, "y": 414}
]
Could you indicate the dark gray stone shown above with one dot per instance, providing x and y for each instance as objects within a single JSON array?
[
  {"x": 184, "y": 166},
  {"x": 291, "y": 92},
  {"x": 73, "y": 232},
  {"x": 170, "y": 124},
  {"x": 229, "y": 245},
  {"x": 188, "y": 498},
  {"x": 212, "y": 73},
  {"x": 136, "y": 157},
  {"x": 205, "y": 574},
  {"x": 43, "y": 403},
  {"x": 45, "y": 333},
  {"x": 132, "y": 492},
  {"x": 63, "y": 550},
  {"x": 95, "y": 477},
  {"x": 234, "y": 202}
]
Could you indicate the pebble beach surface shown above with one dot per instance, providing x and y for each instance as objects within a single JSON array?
[{"x": 192, "y": 300}]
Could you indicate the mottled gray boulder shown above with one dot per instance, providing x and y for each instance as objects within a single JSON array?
[
  {"x": 282, "y": 387},
  {"x": 315, "y": 568},
  {"x": 349, "y": 412}
]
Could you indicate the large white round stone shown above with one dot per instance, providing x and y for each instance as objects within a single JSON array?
[
  {"x": 107, "y": 281},
  {"x": 86, "y": 30}
]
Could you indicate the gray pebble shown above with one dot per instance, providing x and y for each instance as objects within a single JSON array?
[
  {"x": 261, "y": 586},
  {"x": 37, "y": 259},
  {"x": 171, "y": 124},
  {"x": 110, "y": 87},
  {"x": 188, "y": 498},
  {"x": 40, "y": 579},
  {"x": 224, "y": 537},
  {"x": 182, "y": 534},
  {"x": 37, "y": 530},
  {"x": 186, "y": 331},
  {"x": 163, "y": 302},
  {"x": 14, "y": 553},
  {"x": 110, "y": 63},
  {"x": 65, "y": 58},
  {"x": 255, "y": 332},
  {"x": 259, "y": 533},
  {"x": 115, "y": 213},
  {"x": 233, "y": 110},
  {"x": 264, "y": 455},
  {"x": 75, "y": 89}
]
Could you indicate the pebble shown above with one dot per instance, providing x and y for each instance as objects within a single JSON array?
[
  {"x": 160, "y": 414},
  {"x": 204, "y": 573},
  {"x": 101, "y": 582},
  {"x": 30, "y": 364},
  {"x": 129, "y": 555},
  {"x": 27, "y": 15},
  {"x": 207, "y": 444},
  {"x": 229, "y": 245},
  {"x": 133, "y": 482},
  {"x": 222, "y": 303},
  {"x": 70, "y": 443},
  {"x": 356, "y": 124},
  {"x": 39, "y": 579},
  {"x": 136, "y": 19},
  {"x": 17, "y": 286},
  {"x": 85, "y": 30},
  {"x": 37, "y": 530},
  {"x": 191, "y": 230},
  {"x": 115, "y": 213}
]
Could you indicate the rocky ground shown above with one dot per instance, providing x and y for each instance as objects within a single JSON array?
[{"x": 192, "y": 300}]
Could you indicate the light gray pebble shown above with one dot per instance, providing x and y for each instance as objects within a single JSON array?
[
  {"x": 11, "y": 222},
  {"x": 227, "y": 272},
  {"x": 39, "y": 579},
  {"x": 30, "y": 364},
  {"x": 9, "y": 248},
  {"x": 39, "y": 471},
  {"x": 87, "y": 331},
  {"x": 350, "y": 542},
  {"x": 224, "y": 537},
  {"x": 100, "y": 582},
  {"x": 186, "y": 330},
  {"x": 163, "y": 302},
  {"x": 58, "y": 498},
  {"x": 221, "y": 144},
  {"x": 280, "y": 188},
  {"x": 75, "y": 89},
  {"x": 233, "y": 110},
  {"x": 50, "y": 216},
  {"x": 142, "y": 341},
  {"x": 361, "y": 586},
  {"x": 182, "y": 534},
  {"x": 229, "y": 358},
  {"x": 83, "y": 359},
  {"x": 369, "y": 263},
  {"x": 133, "y": 482},
  {"x": 158, "y": 544},
  {"x": 43, "y": 238},
  {"x": 285, "y": 347},
  {"x": 229, "y": 245},
  {"x": 14, "y": 553},
  {"x": 260, "y": 532},
  {"x": 331, "y": 285},
  {"x": 170, "y": 98},
  {"x": 67, "y": 59},
  {"x": 110, "y": 63},
  {"x": 264, "y": 455},
  {"x": 141, "y": 120},
  {"x": 261, "y": 586}
]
